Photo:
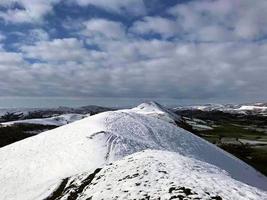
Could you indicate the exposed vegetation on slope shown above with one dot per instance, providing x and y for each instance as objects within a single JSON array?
[{"x": 244, "y": 136}]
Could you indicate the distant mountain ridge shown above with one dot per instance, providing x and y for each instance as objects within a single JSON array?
[
  {"x": 41, "y": 166},
  {"x": 252, "y": 109},
  {"x": 33, "y": 113}
]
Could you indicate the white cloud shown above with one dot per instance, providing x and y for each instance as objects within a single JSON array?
[
  {"x": 32, "y": 11},
  {"x": 136, "y": 67},
  {"x": 224, "y": 19},
  {"x": 213, "y": 33},
  {"x": 10, "y": 58},
  {"x": 38, "y": 35},
  {"x": 121, "y": 62},
  {"x": 103, "y": 28},
  {"x": 13, "y": 74},
  {"x": 58, "y": 50},
  {"x": 135, "y": 7},
  {"x": 159, "y": 25}
]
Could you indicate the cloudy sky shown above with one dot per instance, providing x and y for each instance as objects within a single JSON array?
[{"x": 182, "y": 49}]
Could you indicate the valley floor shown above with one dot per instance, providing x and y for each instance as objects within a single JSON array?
[{"x": 244, "y": 136}]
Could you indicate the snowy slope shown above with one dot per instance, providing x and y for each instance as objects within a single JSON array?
[
  {"x": 33, "y": 168},
  {"x": 157, "y": 175},
  {"x": 156, "y": 110},
  {"x": 252, "y": 107},
  {"x": 56, "y": 121}
]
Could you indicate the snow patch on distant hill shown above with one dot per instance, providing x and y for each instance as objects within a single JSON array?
[
  {"x": 256, "y": 109},
  {"x": 56, "y": 121},
  {"x": 260, "y": 108}
]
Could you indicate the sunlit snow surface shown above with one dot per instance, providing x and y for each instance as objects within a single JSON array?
[
  {"x": 160, "y": 175},
  {"x": 33, "y": 168}
]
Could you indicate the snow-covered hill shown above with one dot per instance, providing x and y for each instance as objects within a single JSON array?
[
  {"x": 155, "y": 174},
  {"x": 34, "y": 168},
  {"x": 33, "y": 113},
  {"x": 156, "y": 110},
  {"x": 56, "y": 121}
]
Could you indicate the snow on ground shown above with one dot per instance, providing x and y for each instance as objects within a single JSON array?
[
  {"x": 158, "y": 175},
  {"x": 30, "y": 169},
  {"x": 56, "y": 121},
  {"x": 25, "y": 111},
  {"x": 201, "y": 127},
  {"x": 263, "y": 108},
  {"x": 156, "y": 110},
  {"x": 207, "y": 107},
  {"x": 257, "y": 109},
  {"x": 253, "y": 142},
  {"x": 196, "y": 126},
  {"x": 200, "y": 107}
]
